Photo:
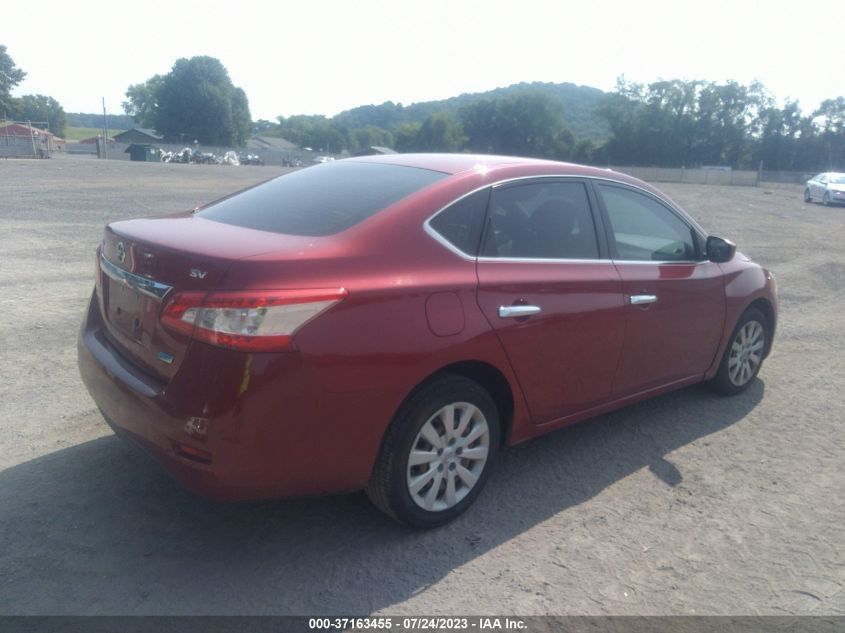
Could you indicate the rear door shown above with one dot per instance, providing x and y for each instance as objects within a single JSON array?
[
  {"x": 551, "y": 295},
  {"x": 674, "y": 299}
]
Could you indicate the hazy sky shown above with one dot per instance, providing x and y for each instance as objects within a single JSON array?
[{"x": 324, "y": 56}]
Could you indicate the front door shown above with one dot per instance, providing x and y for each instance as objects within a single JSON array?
[{"x": 674, "y": 299}]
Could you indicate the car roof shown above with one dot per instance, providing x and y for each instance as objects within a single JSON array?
[
  {"x": 507, "y": 167},
  {"x": 458, "y": 163}
]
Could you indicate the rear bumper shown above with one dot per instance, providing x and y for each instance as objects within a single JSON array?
[{"x": 268, "y": 427}]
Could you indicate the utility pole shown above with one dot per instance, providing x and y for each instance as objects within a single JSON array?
[
  {"x": 32, "y": 138},
  {"x": 105, "y": 131}
]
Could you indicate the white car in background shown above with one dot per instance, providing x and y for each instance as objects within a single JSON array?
[{"x": 827, "y": 188}]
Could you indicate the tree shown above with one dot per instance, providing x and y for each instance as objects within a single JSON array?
[
  {"x": 142, "y": 101},
  {"x": 405, "y": 136},
  {"x": 726, "y": 121},
  {"x": 780, "y": 139},
  {"x": 831, "y": 112},
  {"x": 440, "y": 133},
  {"x": 10, "y": 76},
  {"x": 527, "y": 123},
  {"x": 40, "y": 109},
  {"x": 314, "y": 131},
  {"x": 196, "y": 100},
  {"x": 262, "y": 125},
  {"x": 684, "y": 123},
  {"x": 367, "y": 136},
  {"x": 241, "y": 118},
  {"x": 622, "y": 110}
]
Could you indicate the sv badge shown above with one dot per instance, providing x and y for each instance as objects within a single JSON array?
[{"x": 196, "y": 273}]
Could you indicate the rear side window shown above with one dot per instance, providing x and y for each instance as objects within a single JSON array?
[
  {"x": 549, "y": 220},
  {"x": 321, "y": 200},
  {"x": 460, "y": 224}
]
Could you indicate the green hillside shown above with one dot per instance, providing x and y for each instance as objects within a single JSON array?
[
  {"x": 87, "y": 120},
  {"x": 579, "y": 105}
]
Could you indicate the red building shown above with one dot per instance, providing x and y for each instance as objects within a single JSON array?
[{"x": 24, "y": 136}]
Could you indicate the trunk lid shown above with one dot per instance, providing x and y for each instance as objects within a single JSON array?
[{"x": 147, "y": 260}]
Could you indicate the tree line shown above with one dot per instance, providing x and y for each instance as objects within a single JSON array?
[
  {"x": 525, "y": 122},
  {"x": 44, "y": 111},
  {"x": 672, "y": 123},
  {"x": 679, "y": 123}
]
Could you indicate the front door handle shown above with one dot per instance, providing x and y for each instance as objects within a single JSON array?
[
  {"x": 509, "y": 312},
  {"x": 640, "y": 300}
]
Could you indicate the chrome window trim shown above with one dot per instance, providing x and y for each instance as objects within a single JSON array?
[
  {"x": 539, "y": 260},
  {"x": 543, "y": 260},
  {"x": 432, "y": 232},
  {"x": 442, "y": 240},
  {"x": 154, "y": 289},
  {"x": 663, "y": 262}
]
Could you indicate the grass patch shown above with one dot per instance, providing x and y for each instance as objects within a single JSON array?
[{"x": 80, "y": 133}]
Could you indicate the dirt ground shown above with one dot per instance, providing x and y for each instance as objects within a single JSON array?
[{"x": 687, "y": 504}]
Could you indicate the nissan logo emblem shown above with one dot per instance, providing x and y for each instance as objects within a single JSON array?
[{"x": 121, "y": 252}]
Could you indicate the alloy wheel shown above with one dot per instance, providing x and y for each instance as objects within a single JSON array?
[
  {"x": 746, "y": 353},
  {"x": 448, "y": 456}
]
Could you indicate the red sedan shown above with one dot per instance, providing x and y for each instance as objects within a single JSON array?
[{"x": 392, "y": 323}]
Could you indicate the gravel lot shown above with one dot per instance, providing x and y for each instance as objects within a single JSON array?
[{"x": 687, "y": 504}]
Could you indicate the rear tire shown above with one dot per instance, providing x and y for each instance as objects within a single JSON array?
[
  {"x": 437, "y": 453},
  {"x": 744, "y": 354}
]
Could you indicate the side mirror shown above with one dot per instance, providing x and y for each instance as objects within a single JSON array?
[{"x": 719, "y": 250}]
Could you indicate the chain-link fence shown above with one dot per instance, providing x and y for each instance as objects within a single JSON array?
[{"x": 29, "y": 146}]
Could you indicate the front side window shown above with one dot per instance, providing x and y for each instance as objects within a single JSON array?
[
  {"x": 644, "y": 229},
  {"x": 550, "y": 220}
]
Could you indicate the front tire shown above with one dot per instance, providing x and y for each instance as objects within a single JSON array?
[
  {"x": 807, "y": 196},
  {"x": 826, "y": 199},
  {"x": 437, "y": 453},
  {"x": 743, "y": 356}
]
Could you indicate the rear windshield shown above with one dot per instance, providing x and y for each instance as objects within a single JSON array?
[{"x": 321, "y": 200}]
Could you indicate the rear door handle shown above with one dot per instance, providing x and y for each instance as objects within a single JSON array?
[
  {"x": 639, "y": 300},
  {"x": 509, "y": 312}
]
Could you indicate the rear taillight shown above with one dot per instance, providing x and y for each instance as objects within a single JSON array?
[{"x": 248, "y": 321}]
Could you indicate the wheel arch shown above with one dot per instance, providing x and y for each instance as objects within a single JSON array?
[
  {"x": 486, "y": 375},
  {"x": 765, "y": 307}
]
